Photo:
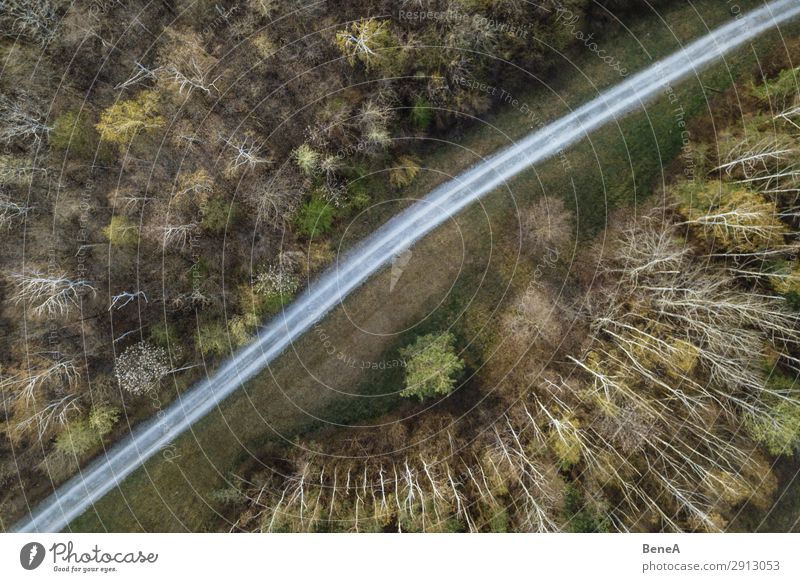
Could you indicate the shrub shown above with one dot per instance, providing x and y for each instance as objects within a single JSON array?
[
  {"x": 121, "y": 122},
  {"x": 103, "y": 418},
  {"x": 315, "y": 217},
  {"x": 432, "y": 366},
  {"x": 121, "y": 232},
  {"x": 74, "y": 133},
  {"x": 77, "y": 439},
  {"x": 404, "y": 172},
  {"x": 421, "y": 114},
  {"x": 218, "y": 214}
]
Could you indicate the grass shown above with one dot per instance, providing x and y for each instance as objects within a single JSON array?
[{"x": 460, "y": 276}]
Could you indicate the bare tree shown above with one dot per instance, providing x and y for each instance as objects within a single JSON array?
[
  {"x": 140, "y": 75},
  {"x": 193, "y": 76},
  {"x": 49, "y": 294},
  {"x": 11, "y": 211},
  {"x": 178, "y": 235},
  {"x": 122, "y": 299},
  {"x": 280, "y": 195},
  {"x": 246, "y": 153},
  {"x": 19, "y": 122},
  {"x": 43, "y": 419},
  {"x": 547, "y": 225},
  {"x": 32, "y": 19}
]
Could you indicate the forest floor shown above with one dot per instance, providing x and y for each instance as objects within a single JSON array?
[{"x": 344, "y": 371}]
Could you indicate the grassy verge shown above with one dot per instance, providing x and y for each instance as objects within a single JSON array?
[{"x": 458, "y": 276}]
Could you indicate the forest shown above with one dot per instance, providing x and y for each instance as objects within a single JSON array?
[
  {"x": 656, "y": 394},
  {"x": 137, "y": 139},
  {"x": 173, "y": 173}
]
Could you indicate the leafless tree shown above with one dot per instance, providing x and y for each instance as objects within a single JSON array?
[
  {"x": 247, "y": 153},
  {"x": 178, "y": 235},
  {"x": 32, "y": 19},
  {"x": 11, "y": 211},
  {"x": 280, "y": 195},
  {"x": 49, "y": 294},
  {"x": 140, "y": 75},
  {"x": 122, "y": 299},
  {"x": 18, "y": 122},
  {"x": 44, "y": 419},
  {"x": 193, "y": 76}
]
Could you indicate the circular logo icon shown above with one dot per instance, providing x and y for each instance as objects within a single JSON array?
[{"x": 31, "y": 555}]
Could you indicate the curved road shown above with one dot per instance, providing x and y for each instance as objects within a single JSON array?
[{"x": 78, "y": 494}]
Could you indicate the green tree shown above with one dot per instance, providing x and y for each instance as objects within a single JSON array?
[
  {"x": 736, "y": 219},
  {"x": 779, "y": 431},
  {"x": 306, "y": 158},
  {"x": 432, "y": 366},
  {"x": 77, "y": 439},
  {"x": 315, "y": 217},
  {"x": 369, "y": 42},
  {"x": 121, "y": 232},
  {"x": 74, "y": 133},
  {"x": 421, "y": 114},
  {"x": 121, "y": 122},
  {"x": 218, "y": 214},
  {"x": 103, "y": 418},
  {"x": 404, "y": 172},
  {"x": 212, "y": 339},
  {"x": 242, "y": 327},
  {"x": 779, "y": 90}
]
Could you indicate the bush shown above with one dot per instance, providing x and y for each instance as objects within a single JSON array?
[
  {"x": 121, "y": 232},
  {"x": 212, "y": 339},
  {"x": 121, "y": 122},
  {"x": 218, "y": 214},
  {"x": 421, "y": 114},
  {"x": 75, "y": 134},
  {"x": 103, "y": 418},
  {"x": 432, "y": 366},
  {"x": 315, "y": 217},
  {"x": 77, "y": 439},
  {"x": 404, "y": 173}
]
